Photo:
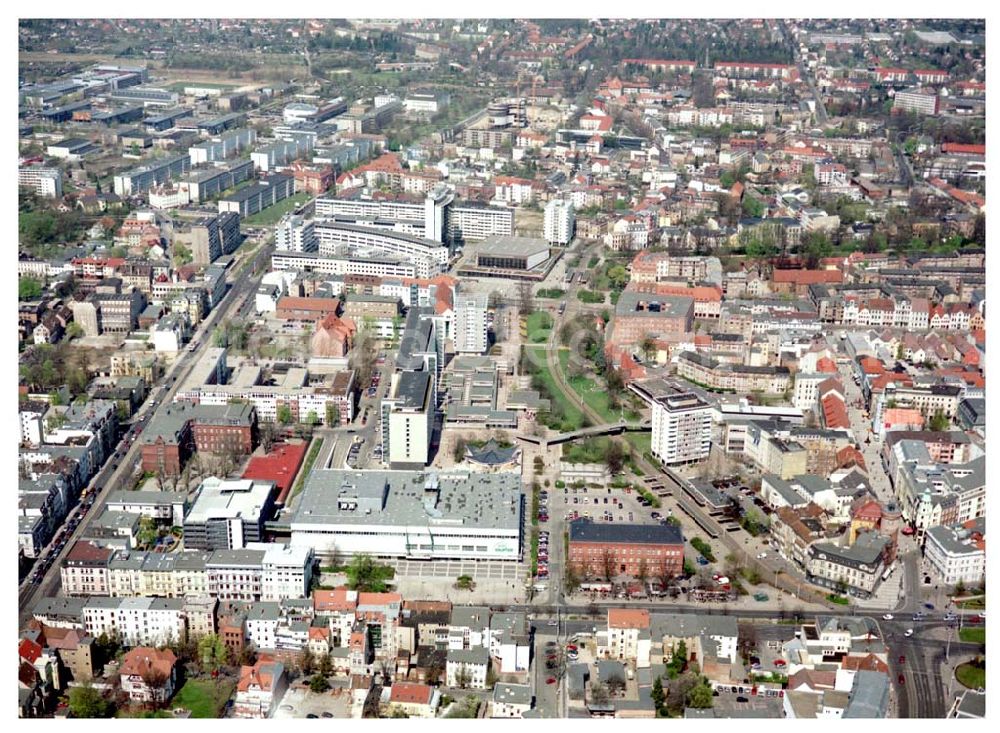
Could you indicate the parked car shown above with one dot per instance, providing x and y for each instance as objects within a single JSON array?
[{"x": 909, "y": 632}]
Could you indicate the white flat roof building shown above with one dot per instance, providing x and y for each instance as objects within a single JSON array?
[{"x": 411, "y": 514}]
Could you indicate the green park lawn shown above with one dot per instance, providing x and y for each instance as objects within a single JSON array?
[
  {"x": 271, "y": 215},
  {"x": 971, "y": 675},
  {"x": 539, "y": 326},
  {"x": 592, "y": 393},
  {"x": 204, "y": 698},
  {"x": 973, "y": 635},
  {"x": 572, "y": 416}
]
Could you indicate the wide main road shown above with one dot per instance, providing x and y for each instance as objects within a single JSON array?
[{"x": 118, "y": 470}]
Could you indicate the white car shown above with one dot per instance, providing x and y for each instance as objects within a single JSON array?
[
  {"x": 909, "y": 632},
  {"x": 888, "y": 617},
  {"x": 761, "y": 556}
]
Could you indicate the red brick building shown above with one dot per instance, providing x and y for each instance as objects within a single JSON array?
[
  {"x": 798, "y": 281},
  {"x": 626, "y": 547},
  {"x": 167, "y": 440},
  {"x": 225, "y": 428},
  {"x": 184, "y": 427},
  {"x": 292, "y": 308}
]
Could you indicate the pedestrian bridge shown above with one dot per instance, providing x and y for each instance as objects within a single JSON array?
[{"x": 616, "y": 428}]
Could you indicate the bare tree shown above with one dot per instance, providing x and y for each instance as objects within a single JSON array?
[
  {"x": 267, "y": 436},
  {"x": 155, "y": 679},
  {"x": 642, "y": 572},
  {"x": 664, "y": 573},
  {"x": 608, "y": 564},
  {"x": 463, "y": 678},
  {"x": 525, "y": 298},
  {"x": 599, "y": 694}
]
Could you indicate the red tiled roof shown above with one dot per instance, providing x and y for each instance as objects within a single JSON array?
[
  {"x": 867, "y": 662},
  {"x": 834, "y": 412},
  {"x": 410, "y": 692},
  {"x": 29, "y": 650},
  {"x": 869, "y": 510},
  {"x": 807, "y": 277},
  {"x": 84, "y": 551},
  {"x": 851, "y": 455},
  {"x": 333, "y": 600},
  {"x": 260, "y": 675},
  {"x": 963, "y": 148},
  {"x": 826, "y": 365},
  {"x": 142, "y": 659},
  {"x": 628, "y": 618}
]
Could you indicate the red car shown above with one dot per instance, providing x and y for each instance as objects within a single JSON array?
[
  {"x": 902, "y": 659},
  {"x": 902, "y": 680},
  {"x": 550, "y": 681},
  {"x": 779, "y": 662}
]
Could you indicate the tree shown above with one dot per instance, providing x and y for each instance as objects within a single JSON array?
[
  {"x": 642, "y": 572},
  {"x": 306, "y": 661},
  {"x": 700, "y": 696},
  {"x": 677, "y": 691},
  {"x": 332, "y": 415},
  {"x": 318, "y": 684},
  {"x": 939, "y": 421},
  {"x": 571, "y": 581},
  {"x": 325, "y": 665},
  {"x": 608, "y": 564},
  {"x": 148, "y": 531},
  {"x": 87, "y": 702},
  {"x": 648, "y": 346},
  {"x": 212, "y": 652},
  {"x": 364, "y": 574},
  {"x": 182, "y": 255},
  {"x": 618, "y": 276},
  {"x": 247, "y": 656},
  {"x": 284, "y": 414},
  {"x": 614, "y": 457},
  {"x": 267, "y": 436},
  {"x": 155, "y": 679},
  {"x": 599, "y": 694},
  {"x": 463, "y": 677},
  {"x": 459, "y": 454},
  {"x": 678, "y": 660},
  {"x": 657, "y": 694},
  {"x": 28, "y": 288},
  {"x": 525, "y": 298}
]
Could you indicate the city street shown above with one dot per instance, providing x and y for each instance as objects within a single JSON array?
[{"x": 119, "y": 470}]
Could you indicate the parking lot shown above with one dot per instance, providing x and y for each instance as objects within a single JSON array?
[
  {"x": 300, "y": 702},
  {"x": 603, "y": 505}
]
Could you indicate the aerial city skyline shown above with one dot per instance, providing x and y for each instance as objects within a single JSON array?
[{"x": 501, "y": 368}]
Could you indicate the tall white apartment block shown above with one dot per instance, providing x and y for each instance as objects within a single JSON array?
[
  {"x": 295, "y": 234},
  {"x": 560, "y": 222},
  {"x": 471, "y": 323},
  {"x": 411, "y": 420},
  {"x": 682, "y": 428},
  {"x": 436, "y": 212},
  {"x": 45, "y": 182}
]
